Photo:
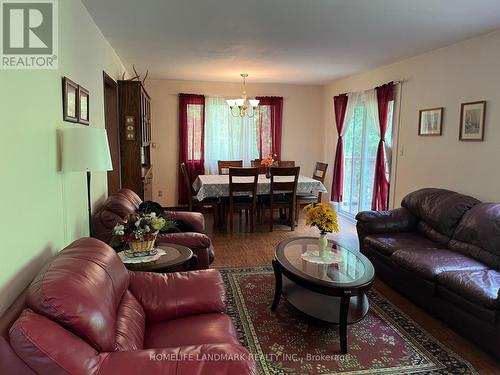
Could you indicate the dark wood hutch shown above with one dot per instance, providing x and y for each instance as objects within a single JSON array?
[{"x": 135, "y": 138}]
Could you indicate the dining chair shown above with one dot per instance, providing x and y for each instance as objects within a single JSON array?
[
  {"x": 256, "y": 164},
  {"x": 282, "y": 194},
  {"x": 319, "y": 174},
  {"x": 193, "y": 202},
  {"x": 286, "y": 163},
  {"x": 238, "y": 185},
  {"x": 224, "y": 165}
]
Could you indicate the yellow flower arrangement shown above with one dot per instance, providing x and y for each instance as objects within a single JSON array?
[
  {"x": 158, "y": 223},
  {"x": 322, "y": 216}
]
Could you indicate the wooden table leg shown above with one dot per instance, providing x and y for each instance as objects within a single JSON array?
[
  {"x": 278, "y": 285},
  {"x": 344, "y": 309}
]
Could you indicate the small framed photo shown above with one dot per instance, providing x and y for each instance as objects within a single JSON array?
[
  {"x": 83, "y": 105},
  {"x": 472, "y": 121},
  {"x": 70, "y": 100},
  {"x": 430, "y": 121}
]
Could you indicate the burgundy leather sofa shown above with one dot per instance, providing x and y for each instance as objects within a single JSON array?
[
  {"x": 125, "y": 202},
  {"x": 441, "y": 250},
  {"x": 86, "y": 314}
]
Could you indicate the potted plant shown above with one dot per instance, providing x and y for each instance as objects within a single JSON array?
[
  {"x": 322, "y": 216},
  {"x": 139, "y": 232}
]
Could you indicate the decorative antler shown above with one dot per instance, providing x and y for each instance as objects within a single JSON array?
[{"x": 137, "y": 75}]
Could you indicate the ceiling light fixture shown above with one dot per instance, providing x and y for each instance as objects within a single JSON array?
[{"x": 240, "y": 107}]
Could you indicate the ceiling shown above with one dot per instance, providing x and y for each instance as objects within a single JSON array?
[{"x": 286, "y": 41}]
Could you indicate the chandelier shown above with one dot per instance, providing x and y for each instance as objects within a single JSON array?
[{"x": 240, "y": 107}]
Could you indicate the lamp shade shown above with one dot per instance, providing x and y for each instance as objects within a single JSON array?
[{"x": 85, "y": 149}]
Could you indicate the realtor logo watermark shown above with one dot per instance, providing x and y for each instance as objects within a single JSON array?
[{"x": 29, "y": 34}]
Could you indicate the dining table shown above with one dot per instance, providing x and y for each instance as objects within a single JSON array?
[{"x": 217, "y": 186}]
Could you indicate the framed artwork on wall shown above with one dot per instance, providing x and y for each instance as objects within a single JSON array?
[
  {"x": 472, "y": 121},
  {"x": 83, "y": 105},
  {"x": 430, "y": 121},
  {"x": 70, "y": 100}
]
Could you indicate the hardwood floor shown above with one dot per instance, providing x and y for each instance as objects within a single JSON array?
[{"x": 256, "y": 249}]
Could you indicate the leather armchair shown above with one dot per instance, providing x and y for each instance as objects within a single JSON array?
[
  {"x": 125, "y": 201},
  {"x": 86, "y": 314}
]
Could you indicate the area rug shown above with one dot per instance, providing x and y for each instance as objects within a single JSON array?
[{"x": 386, "y": 341}]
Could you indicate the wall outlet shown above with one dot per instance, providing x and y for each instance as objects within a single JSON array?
[{"x": 160, "y": 193}]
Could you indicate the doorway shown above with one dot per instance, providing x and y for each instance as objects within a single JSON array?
[{"x": 113, "y": 130}]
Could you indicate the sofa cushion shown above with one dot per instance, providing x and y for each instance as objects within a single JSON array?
[
  {"x": 10, "y": 363},
  {"x": 130, "y": 196},
  {"x": 215, "y": 328},
  {"x": 388, "y": 243},
  {"x": 81, "y": 289},
  {"x": 130, "y": 324},
  {"x": 441, "y": 209},
  {"x": 428, "y": 263},
  {"x": 427, "y": 231},
  {"x": 478, "y": 234},
  {"x": 479, "y": 286}
]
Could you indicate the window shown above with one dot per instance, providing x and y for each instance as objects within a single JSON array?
[
  {"x": 228, "y": 137},
  {"x": 360, "y": 151}
]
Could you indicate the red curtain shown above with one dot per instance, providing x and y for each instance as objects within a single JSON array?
[
  {"x": 340, "y": 106},
  {"x": 191, "y": 139},
  {"x": 380, "y": 200},
  {"x": 269, "y": 125}
]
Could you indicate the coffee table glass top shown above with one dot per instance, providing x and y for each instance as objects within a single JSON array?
[{"x": 349, "y": 268}]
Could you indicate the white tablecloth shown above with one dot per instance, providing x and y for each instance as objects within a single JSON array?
[{"x": 214, "y": 186}]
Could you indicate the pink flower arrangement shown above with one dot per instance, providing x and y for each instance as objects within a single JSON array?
[{"x": 269, "y": 161}]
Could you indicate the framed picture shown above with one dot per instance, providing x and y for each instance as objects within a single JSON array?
[
  {"x": 472, "y": 121},
  {"x": 430, "y": 121},
  {"x": 83, "y": 105},
  {"x": 70, "y": 100}
]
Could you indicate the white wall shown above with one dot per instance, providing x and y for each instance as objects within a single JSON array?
[
  {"x": 302, "y": 138},
  {"x": 43, "y": 210},
  {"x": 464, "y": 72}
]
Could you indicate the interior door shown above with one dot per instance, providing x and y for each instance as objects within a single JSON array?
[{"x": 113, "y": 130}]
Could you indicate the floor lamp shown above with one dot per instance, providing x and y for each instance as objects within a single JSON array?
[{"x": 86, "y": 150}]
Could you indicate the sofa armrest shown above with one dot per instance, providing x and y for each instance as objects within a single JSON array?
[
  {"x": 194, "y": 219},
  {"x": 175, "y": 295},
  {"x": 373, "y": 222},
  {"x": 194, "y": 360},
  {"x": 190, "y": 239}
]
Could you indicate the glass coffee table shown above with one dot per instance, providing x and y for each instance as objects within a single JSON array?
[{"x": 332, "y": 292}]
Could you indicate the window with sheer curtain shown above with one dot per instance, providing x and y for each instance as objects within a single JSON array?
[
  {"x": 228, "y": 137},
  {"x": 361, "y": 139}
]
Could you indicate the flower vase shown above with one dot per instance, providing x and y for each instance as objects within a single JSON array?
[
  {"x": 322, "y": 245},
  {"x": 268, "y": 172}
]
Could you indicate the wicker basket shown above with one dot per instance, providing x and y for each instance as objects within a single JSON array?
[{"x": 142, "y": 246}]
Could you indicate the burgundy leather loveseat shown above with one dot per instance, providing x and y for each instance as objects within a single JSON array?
[
  {"x": 86, "y": 314},
  {"x": 441, "y": 250},
  {"x": 125, "y": 202}
]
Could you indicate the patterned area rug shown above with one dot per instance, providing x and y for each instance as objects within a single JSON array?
[{"x": 386, "y": 341}]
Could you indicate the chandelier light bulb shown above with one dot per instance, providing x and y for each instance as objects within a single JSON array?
[{"x": 238, "y": 107}]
